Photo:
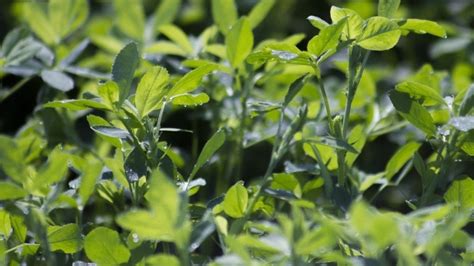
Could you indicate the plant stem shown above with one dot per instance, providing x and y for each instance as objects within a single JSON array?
[
  {"x": 356, "y": 69},
  {"x": 15, "y": 88}
]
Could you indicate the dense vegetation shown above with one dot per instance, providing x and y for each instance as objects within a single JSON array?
[{"x": 237, "y": 132}]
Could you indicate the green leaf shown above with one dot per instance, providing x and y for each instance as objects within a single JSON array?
[
  {"x": 468, "y": 102},
  {"x": 111, "y": 131},
  {"x": 57, "y": 80},
  {"x": 110, "y": 93},
  {"x": 38, "y": 21},
  {"x": 354, "y": 26},
  {"x": 89, "y": 177},
  {"x": 317, "y": 22},
  {"x": 166, "y": 12},
  {"x": 123, "y": 69},
  {"x": 379, "y": 34},
  {"x": 295, "y": 87},
  {"x": 328, "y": 39},
  {"x": 52, "y": 171},
  {"x": 192, "y": 79},
  {"x": 418, "y": 90},
  {"x": 372, "y": 228},
  {"x": 67, "y": 15},
  {"x": 177, "y": 36},
  {"x": 211, "y": 146},
  {"x": 259, "y": 12},
  {"x": 95, "y": 121},
  {"x": 236, "y": 200},
  {"x": 165, "y": 47},
  {"x": 239, "y": 42},
  {"x": 413, "y": 112},
  {"x": 388, "y": 8},
  {"x": 22, "y": 50},
  {"x": 77, "y": 105},
  {"x": 357, "y": 138},
  {"x": 421, "y": 26},
  {"x": 224, "y": 13},
  {"x": 130, "y": 18},
  {"x": 400, "y": 158},
  {"x": 135, "y": 165},
  {"x": 461, "y": 193},
  {"x": 190, "y": 99},
  {"x": 332, "y": 142},
  {"x": 463, "y": 123},
  {"x": 162, "y": 259},
  {"x": 161, "y": 222},
  {"x": 151, "y": 90},
  {"x": 104, "y": 246},
  {"x": 66, "y": 238},
  {"x": 10, "y": 191},
  {"x": 5, "y": 224},
  {"x": 11, "y": 159},
  {"x": 287, "y": 182}
]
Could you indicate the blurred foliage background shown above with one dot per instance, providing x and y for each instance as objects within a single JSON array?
[{"x": 454, "y": 55}]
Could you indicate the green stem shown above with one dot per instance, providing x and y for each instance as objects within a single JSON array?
[
  {"x": 356, "y": 69},
  {"x": 15, "y": 88},
  {"x": 353, "y": 82}
]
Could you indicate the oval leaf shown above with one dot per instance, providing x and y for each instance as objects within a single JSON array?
[
  {"x": 103, "y": 246},
  {"x": 379, "y": 34}
]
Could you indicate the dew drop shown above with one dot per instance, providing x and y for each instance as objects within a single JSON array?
[
  {"x": 135, "y": 238},
  {"x": 284, "y": 55}
]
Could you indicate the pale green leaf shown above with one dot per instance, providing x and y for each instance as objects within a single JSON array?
[
  {"x": 259, "y": 12},
  {"x": 162, "y": 259},
  {"x": 165, "y": 47},
  {"x": 317, "y": 22},
  {"x": 191, "y": 80},
  {"x": 211, "y": 146},
  {"x": 66, "y": 238},
  {"x": 110, "y": 93},
  {"x": 148, "y": 225},
  {"x": 236, "y": 200},
  {"x": 166, "y": 12},
  {"x": 388, "y": 8},
  {"x": 67, "y": 15},
  {"x": 160, "y": 223},
  {"x": 400, "y": 158},
  {"x": 461, "y": 193},
  {"x": 10, "y": 191},
  {"x": 52, "y": 171},
  {"x": 190, "y": 99},
  {"x": 379, "y": 34},
  {"x": 37, "y": 19},
  {"x": 151, "y": 90},
  {"x": 224, "y": 13},
  {"x": 95, "y": 121},
  {"x": 89, "y": 177},
  {"x": 421, "y": 26},
  {"x": 239, "y": 42},
  {"x": 5, "y": 224},
  {"x": 327, "y": 39},
  {"x": 413, "y": 112},
  {"x": 104, "y": 246},
  {"x": 354, "y": 26},
  {"x": 418, "y": 90},
  {"x": 177, "y": 36},
  {"x": 77, "y": 104},
  {"x": 130, "y": 18}
]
